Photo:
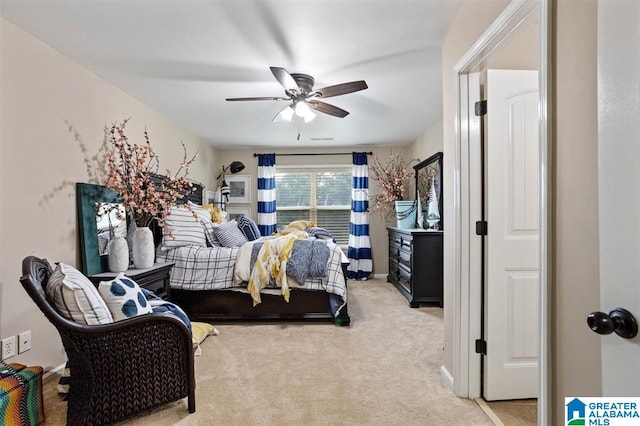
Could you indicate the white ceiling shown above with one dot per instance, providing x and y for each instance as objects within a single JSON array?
[{"x": 183, "y": 58}]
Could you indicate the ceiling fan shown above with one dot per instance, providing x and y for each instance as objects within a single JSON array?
[{"x": 298, "y": 88}]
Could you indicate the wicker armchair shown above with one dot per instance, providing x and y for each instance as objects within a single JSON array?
[{"x": 122, "y": 368}]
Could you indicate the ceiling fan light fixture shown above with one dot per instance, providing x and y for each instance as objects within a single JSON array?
[
  {"x": 285, "y": 115},
  {"x": 304, "y": 111}
]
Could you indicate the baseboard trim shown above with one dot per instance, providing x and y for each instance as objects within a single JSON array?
[
  {"x": 53, "y": 373},
  {"x": 448, "y": 378},
  {"x": 379, "y": 275}
]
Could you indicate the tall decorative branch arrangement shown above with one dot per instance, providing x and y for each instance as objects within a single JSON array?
[
  {"x": 393, "y": 178},
  {"x": 130, "y": 172}
]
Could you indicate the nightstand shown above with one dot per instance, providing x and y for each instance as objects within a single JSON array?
[{"x": 155, "y": 279}]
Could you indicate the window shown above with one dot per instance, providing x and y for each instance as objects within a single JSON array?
[{"x": 322, "y": 196}]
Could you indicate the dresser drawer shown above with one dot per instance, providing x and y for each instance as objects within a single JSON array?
[
  {"x": 404, "y": 258},
  {"x": 404, "y": 277}
]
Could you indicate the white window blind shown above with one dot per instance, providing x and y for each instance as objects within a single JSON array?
[{"x": 322, "y": 196}]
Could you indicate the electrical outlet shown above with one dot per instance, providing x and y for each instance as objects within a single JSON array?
[
  {"x": 8, "y": 347},
  {"x": 24, "y": 341}
]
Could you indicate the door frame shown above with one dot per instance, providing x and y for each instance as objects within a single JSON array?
[{"x": 467, "y": 185}]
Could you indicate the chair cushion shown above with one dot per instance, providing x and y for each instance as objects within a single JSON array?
[
  {"x": 124, "y": 297},
  {"x": 248, "y": 228},
  {"x": 75, "y": 297}
]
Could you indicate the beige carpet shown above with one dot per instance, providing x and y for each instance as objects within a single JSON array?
[{"x": 382, "y": 370}]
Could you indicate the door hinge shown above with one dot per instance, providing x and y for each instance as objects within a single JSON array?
[
  {"x": 481, "y": 227},
  {"x": 480, "y": 108},
  {"x": 481, "y": 346}
]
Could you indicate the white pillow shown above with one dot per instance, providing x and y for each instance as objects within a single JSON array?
[
  {"x": 124, "y": 297},
  {"x": 75, "y": 297},
  {"x": 186, "y": 229},
  {"x": 229, "y": 235}
]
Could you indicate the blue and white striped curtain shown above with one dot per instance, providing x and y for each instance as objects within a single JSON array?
[
  {"x": 267, "y": 194},
  {"x": 359, "y": 251}
]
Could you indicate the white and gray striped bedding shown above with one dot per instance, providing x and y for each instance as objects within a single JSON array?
[{"x": 211, "y": 268}]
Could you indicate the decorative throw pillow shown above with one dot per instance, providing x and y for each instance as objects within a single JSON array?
[
  {"x": 296, "y": 225},
  {"x": 229, "y": 234},
  {"x": 124, "y": 297},
  {"x": 218, "y": 216},
  {"x": 75, "y": 297},
  {"x": 199, "y": 332},
  {"x": 208, "y": 207},
  {"x": 248, "y": 228},
  {"x": 185, "y": 227},
  {"x": 159, "y": 305},
  {"x": 209, "y": 233},
  {"x": 320, "y": 233}
]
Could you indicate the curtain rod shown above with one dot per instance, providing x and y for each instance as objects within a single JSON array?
[{"x": 317, "y": 153}]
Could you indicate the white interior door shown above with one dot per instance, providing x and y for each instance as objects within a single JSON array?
[
  {"x": 619, "y": 186},
  {"x": 512, "y": 267}
]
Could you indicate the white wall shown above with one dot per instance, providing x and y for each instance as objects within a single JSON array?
[
  {"x": 40, "y": 89},
  {"x": 472, "y": 20},
  {"x": 575, "y": 214},
  {"x": 427, "y": 144}
]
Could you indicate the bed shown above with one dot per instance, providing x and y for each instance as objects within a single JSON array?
[{"x": 212, "y": 283}]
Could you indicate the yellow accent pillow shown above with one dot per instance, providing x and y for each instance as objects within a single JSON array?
[
  {"x": 216, "y": 213},
  {"x": 199, "y": 332},
  {"x": 297, "y": 225}
]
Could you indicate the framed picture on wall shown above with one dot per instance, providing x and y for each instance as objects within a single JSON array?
[
  {"x": 240, "y": 186},
  {"x": 236, "y": 212},
  {"x": 210, "y": 197}
]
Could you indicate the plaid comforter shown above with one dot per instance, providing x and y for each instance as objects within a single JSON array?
[{"x": 212, "y": 268}]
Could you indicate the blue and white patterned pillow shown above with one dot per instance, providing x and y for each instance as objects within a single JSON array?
[
  {"x": 321, "y": 233},
  {"x": 210, "y": 234},
  {"x": 229, "y": 234},
  {"x": 248, "y": 228},
  {"x": 124, "y": 297},
  {"x": 75, "y": 297}
]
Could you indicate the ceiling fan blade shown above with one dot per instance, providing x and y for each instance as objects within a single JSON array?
[
  {"x": 266, "y": 98},
  {"x": 341, "y": 89},
  {"x": 284, "y": 78},
  {"x": 328, "y": 109}
]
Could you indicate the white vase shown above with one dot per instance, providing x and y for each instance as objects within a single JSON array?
[
  {"x": 143, "y": 248},
  {"x": 118, "y": 254}
]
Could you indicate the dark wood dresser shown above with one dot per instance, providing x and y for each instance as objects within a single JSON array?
[
  {"x": 415, "y": 264},
  {"x": 154, "y": 279}
]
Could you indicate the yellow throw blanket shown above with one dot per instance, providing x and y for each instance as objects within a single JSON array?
[{"x": 272, "y": 262}]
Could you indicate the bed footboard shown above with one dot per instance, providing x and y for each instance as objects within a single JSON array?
[{"x": 230, "y": 305}]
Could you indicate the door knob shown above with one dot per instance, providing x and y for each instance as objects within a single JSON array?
[{"x": 619, "y": 320}]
